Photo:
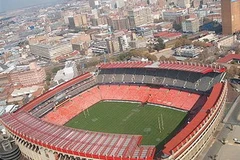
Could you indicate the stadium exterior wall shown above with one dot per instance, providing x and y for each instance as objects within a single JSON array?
[
  {"x": 34, "y": 152},
  {"x": 191, "y": 149}
]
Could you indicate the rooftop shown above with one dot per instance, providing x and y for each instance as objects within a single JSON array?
[
  {"x": 167, "y": 34},
  {"x": 24, "y": 91},
  {"x": 229, "y": 58}
]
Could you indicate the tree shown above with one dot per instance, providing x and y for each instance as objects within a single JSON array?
[
  {"x": 92, "y": 63},
  {"x": 160, "y": 44},
  {"x": 223, "y": 140},
  {"x": 215, "y": 157},
  {"x": 46, "y": 86},
  {"x": 206, "y": 20},
  {"x": 158, "y": 20},
  {"x": 55, "y": 69},
  {"x": 232, "y": 71},
  {"x": 181, "y": 42},
  {"x": 203, "y": 56},
  {"x": 123, "y": 57},
  {"x": 171, "y": 58},
  {"x": 48, "y": 77},
  {"x": 177, "y": 27},
  {"x": 162, "y": 58},
  {"x": 151, "y": 49},
  {"x": 206, "y": 40},
  {"x": 200, "y": 44},
  {"x": 151, "y": 57},
  {"x": 210, "y": 59}
]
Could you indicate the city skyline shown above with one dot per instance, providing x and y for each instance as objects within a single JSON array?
[{"x": 18, "y": 4}]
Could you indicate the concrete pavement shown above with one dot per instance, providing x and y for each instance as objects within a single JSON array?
[{"x": 216, "y": 147}]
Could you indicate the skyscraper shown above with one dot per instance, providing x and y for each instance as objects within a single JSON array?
[
  {"x": 190, "y": 25},
  {"x": 230, "y": 16},
  {"x": 78, "y": 20},
  {"x": 139, "y": 16}
]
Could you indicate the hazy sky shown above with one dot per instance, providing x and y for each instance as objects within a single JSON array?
[{"x": 6, "y": 5}]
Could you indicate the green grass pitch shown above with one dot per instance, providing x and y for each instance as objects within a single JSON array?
[{"x": 130, "y": 118}]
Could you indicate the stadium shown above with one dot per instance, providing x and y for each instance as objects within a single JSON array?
[{"x": 124, "y": 111}]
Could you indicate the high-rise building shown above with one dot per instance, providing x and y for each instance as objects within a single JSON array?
[
  {"x": 230, "y": 16},
  {"x": 190, "y": 25},
  {"x": 119, "y": 23},
  {"x": 71, "y": 23},
  {"x": 77, "y": 21},
  {"x": 140, "y": 16}
]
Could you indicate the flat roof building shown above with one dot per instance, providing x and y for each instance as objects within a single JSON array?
[
  {"x": 30, "y": 76},
  {"x": 49, "y": 51}
]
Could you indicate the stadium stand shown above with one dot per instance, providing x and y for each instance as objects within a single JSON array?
[
  {"x": 191, "y": 131},
  {"x": 43, "y": 108},
  {"x": 71, "y": 108},
  {"x": 31, "y": 105},
  {"x": 144, "y": 94},
  {"x": 76, "y": 142},
  {"x": 186, "y": 76},
  {"x": 174, "y": 98},
  {"x": 184, "y": 86},
  {"x": 119, "y": 75}
]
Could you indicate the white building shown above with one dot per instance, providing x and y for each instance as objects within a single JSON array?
[
  {"x": 202, "y": 13},
  {"x": 226, "y": 41},
  {"x": 188, "y": 51},
  {"x": 68, "y": 72},
  {"x": 173, "y": 14}
]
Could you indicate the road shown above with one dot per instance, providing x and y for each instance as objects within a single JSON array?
[{"x": 223, "y": 132}]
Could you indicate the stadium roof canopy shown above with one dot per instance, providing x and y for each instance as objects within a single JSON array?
[
  {"x": 172, "y": 65},
  {"x": 76, "y": 142}
]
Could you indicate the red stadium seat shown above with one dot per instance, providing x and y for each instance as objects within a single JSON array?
[
  {"x": 73, "y": 107},
  {"x": 162, "y": 96}
]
